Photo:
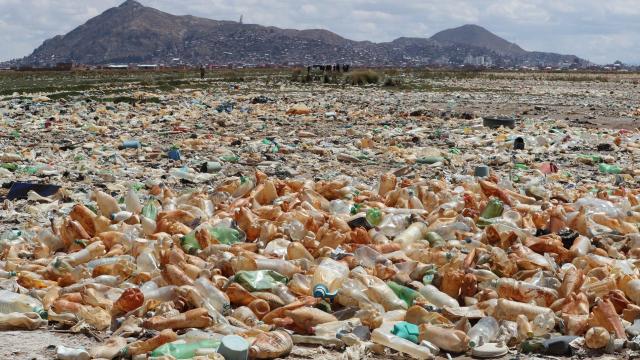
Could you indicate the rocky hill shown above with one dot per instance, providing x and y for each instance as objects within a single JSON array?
[{"x": 133, "y": 33}]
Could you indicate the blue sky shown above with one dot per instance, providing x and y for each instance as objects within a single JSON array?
[{"x": 601, "y": 31}]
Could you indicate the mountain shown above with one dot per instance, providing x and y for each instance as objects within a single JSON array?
[
  {"x": 133, "y": 33},
  {"x": 474, "y": 35}
]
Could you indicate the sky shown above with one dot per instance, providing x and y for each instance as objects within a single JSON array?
[{"x": 601, "y": 31}]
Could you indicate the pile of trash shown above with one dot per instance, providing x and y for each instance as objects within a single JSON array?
[
  {"x": 258, "y": 264},
  {"x": 206, "y": 225}
]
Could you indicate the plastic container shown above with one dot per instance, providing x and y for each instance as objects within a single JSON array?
[
  {"x": 446, "y": 339},
  {"x": 330, "y": 273},
  {"x": 11, "y": 302},
  {"x": 383, "y": 336},
  {"x": 484, "y": 331},
  {"x": 234, "y": 347},
  {"x": 437, "y": 297},
  {"x": 182, "y": 350}
]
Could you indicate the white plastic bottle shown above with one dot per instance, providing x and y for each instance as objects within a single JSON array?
[
  {"x": 11, "y": 302},
  {"x": 213, "y": 295},
  {"x": 384, "y": 337},
  {"x": 484, "y": 331},
  {"x": 437, "y": 297}
]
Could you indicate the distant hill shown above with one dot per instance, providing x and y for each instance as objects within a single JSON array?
[
  {"x": 133, "y": 33},
  {"x": 474, "y": 35}
]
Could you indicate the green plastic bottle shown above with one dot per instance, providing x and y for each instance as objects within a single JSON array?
[
  {"x": 150, "y": 210},
  {"x": 190, "y": 244},
  {"x": 609, "y": 169},
  {"x": 374, "y": 217},
  {"x": 230, "y": 158},
  {"x": 494, "y": 208},
  {"x": 406, "y": 294},
  {"x": 9, "y": 166},
  {"x": 184, "y": 350},
  {"x": 259, "y": 280},
  {"x": 226, "y": 235}
]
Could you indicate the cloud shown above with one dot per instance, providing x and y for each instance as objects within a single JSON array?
[{"x": 601, "y": 31}]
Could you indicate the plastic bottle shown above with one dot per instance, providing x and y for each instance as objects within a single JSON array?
[
  {"x": 368, "y": 257},
  {"x": 331, "y": 329},
  {"x": 296, "y": 250},
  {"x": 189, "y": 243},
  {"x": 353, "y": 293},
  {"x": 85, "y": 255},
  {"x": 378, "y": 291},
  {"x": 283, "y": 267},
  {"x": 406, "y": 294},
  {"x": 543, "y": 324},
  {"x": 445, "y": 338},
  {"x": 142, "y": 347},
  {"x": 416, "y": 231},
  {"x": 150, "y": 209},
  {"x": 132, "y": 201},
  {"x": 146, "y": 261},
  {"x": 67, "y": 353},
  {"x": 524, "y": 292},
  {"x": 130, "y": 299},
  {"x": 283, "y": 292},
  {"x": 631, "y": 288},
  {"x": 196, "y": 318},
  {"x": 246, "y": 184},
  {"x": 383, "y": 336},
  {"x": 213, "y": 295},
  {"x": 494, "y": 209},
  {"x": 503, "y": 309},
  {"x": 108, "y": 349},
  {"x": 165, "y": 293},
  {"x": 106, "y": 203},
  {"x": 307, "y": 317},
  {"x": 21, "y": 321},
  {"x": 7, "y": 274},
  {"x": 11, "y": 302},
  {"x": 393, "y": 224},
  {"x": 609, "y": 169},
  {"x": 437, "y": 297},
  {"x": 581, "y": 246},
  {"x": 271, "y": 345},
  {"x": 524, "y": 327},
  {"x": 484, "y": 331},
  {"x": 227, "y": 235},
  {"x": 182, "y": 350},
  {"x": 330, "y": 273},
  {"x": 374, "y": 217}
]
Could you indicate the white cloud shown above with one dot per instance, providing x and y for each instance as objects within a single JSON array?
[{"x": 601, "y": 31}]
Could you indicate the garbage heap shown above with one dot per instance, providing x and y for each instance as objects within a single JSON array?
[{"x": 257, "y": 264}]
